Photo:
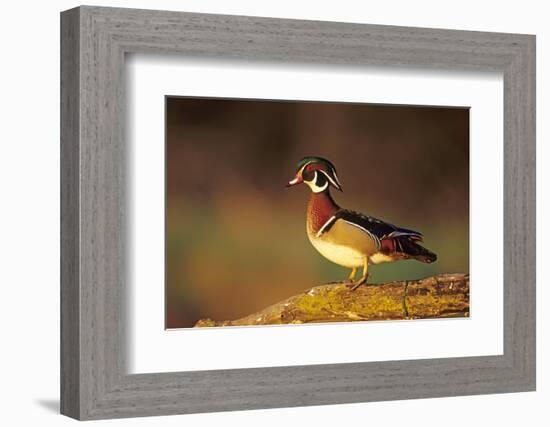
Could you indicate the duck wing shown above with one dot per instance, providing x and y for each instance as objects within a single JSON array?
[
  {"x": 391, "y": 240},
  {"x": 373, "y": 226}
]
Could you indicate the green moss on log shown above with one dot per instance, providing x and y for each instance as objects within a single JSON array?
[{"x": 444, "y": 295}]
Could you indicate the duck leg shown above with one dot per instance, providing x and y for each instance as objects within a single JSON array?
[
  {"x": 351, "y": 276},
  {"x": 365, "y": 275}
]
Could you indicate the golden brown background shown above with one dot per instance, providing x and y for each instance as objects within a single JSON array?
[{"x": 235, "y": 236}]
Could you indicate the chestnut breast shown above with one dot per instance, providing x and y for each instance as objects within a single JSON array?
[{"x": 320, "y": 209}]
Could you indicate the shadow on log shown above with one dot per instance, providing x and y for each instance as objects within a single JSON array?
[{"x": 444, "y": 295}]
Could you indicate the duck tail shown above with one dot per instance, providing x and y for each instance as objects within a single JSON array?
[{"x": 418, "y": 252}]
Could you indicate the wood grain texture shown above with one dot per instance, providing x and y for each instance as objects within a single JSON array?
[
  {"x": 70, "y": 219},
  {"x": 95, "y": 276},
  {"x": 444, "y": 295}
]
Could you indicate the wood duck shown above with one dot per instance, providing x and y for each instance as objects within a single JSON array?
[{"x": 347, "y": 238}]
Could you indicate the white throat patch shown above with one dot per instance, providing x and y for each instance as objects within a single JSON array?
[{"x": 315, "y": 188}]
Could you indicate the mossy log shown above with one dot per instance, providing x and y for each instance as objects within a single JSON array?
[{"x": 444, "y": 295}]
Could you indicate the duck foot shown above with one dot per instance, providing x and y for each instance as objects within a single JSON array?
[{"x": 361, "y": 281}]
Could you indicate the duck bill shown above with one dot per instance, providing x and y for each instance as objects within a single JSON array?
[{"x": 295, "y": 181}]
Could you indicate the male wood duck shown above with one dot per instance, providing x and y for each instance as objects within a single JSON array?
[{"x": 351, "y": 239}]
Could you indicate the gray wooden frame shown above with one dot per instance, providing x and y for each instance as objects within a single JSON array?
[{"x": 94, "y": 41}]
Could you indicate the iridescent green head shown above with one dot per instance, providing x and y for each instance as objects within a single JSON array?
[{"x": 318, "y": 173}]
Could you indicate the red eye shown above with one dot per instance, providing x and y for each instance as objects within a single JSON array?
[{"x": 309, "y": 168}]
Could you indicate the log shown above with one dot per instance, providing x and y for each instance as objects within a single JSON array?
[{"x": 443, "y": 295}]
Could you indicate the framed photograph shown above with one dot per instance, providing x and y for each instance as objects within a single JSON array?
[
  {"x": 262, "y": 213},
  {"x": 239, "y": 213}
]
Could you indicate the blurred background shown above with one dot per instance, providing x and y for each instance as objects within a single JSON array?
[{"x": 235, "y": 236}]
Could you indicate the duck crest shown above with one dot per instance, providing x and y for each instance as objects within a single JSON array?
[{"x": 320, "y": 208}]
